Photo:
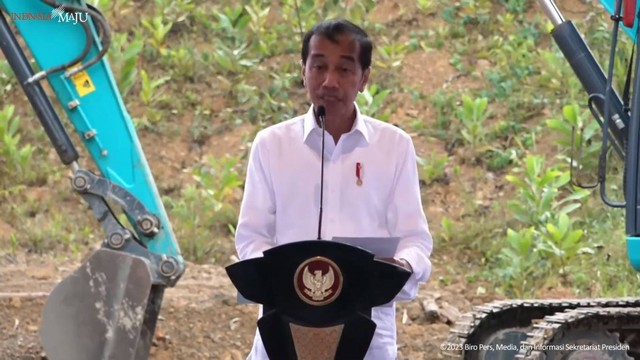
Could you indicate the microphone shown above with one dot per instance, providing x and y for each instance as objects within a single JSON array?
[{"x": 321, "y": 114}]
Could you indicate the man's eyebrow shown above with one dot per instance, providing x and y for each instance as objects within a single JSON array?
[
  {"x": 343, "y": 57},
  {"x": 348, "y": 57}
]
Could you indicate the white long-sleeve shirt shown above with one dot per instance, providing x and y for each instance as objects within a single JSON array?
[{"x": 282, "y": 199}]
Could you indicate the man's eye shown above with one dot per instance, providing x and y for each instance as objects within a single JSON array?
[{"x": 319, "y": 67}]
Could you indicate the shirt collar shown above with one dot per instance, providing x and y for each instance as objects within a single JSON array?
[{"x": 309, "y": 124}]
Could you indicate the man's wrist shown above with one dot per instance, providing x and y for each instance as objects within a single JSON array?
[{"x": 406, "y": 264}]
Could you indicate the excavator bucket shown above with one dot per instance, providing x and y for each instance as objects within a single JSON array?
[
  {"x": 108, "y": 308},
  {"x": 98, "y": 312}
]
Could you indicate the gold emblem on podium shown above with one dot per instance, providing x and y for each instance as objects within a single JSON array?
[{"x": 318, "y": 281}]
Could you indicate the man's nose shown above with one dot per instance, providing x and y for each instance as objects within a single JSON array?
[{"x": 331, "y": 80}]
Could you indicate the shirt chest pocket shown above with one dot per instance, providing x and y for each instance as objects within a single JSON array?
[{"x": 366, "y": 192}]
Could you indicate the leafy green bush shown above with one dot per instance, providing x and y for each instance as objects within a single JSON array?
[
  {"x": 579, "y": 137},
  {"x": 371, "y": 100},
  {"x": 15, "y": 157},
  {"x": 548, "y": 241},
  {"x": 433, "y": 168},
  {"x": 205, "y": 213},
  {"x": 542, "y": 192}
]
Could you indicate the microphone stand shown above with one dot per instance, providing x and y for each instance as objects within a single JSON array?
[{"x": 321, "y": 116}]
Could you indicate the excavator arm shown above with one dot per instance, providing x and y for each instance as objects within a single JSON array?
[
  {"x": 618, "y": 119},
  {"x": 575, "y": 329},
  {"x": 108, "y": 308}
]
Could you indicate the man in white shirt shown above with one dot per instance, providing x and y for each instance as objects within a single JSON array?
[{"x": 371, "y": 185}]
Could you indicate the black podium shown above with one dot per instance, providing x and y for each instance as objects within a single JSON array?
[{"x": 317, "y": 297}]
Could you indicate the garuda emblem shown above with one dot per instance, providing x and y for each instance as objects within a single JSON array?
[
  {"x": 318, "y": 281},
  {"x": 318, "y": 286}
]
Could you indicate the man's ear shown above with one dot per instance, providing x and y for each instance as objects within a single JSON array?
[
  {"x": 304, "y": 80},
  {"x": 365, "y": 79}
]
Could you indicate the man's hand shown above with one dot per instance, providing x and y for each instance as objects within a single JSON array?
[{"x": 400, "y": 262}]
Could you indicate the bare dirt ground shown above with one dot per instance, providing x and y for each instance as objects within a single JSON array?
[{"x": 200, "y": 318}]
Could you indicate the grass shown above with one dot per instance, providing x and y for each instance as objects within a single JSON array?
[{"x": 192, "y": 71}]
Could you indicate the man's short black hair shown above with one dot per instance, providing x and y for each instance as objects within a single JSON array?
[{"x": 331, "y": 29}]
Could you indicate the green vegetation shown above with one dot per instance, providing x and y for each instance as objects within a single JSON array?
[
  {"x": 15, "y": 156},
  {"x": 490, "y": 100}
]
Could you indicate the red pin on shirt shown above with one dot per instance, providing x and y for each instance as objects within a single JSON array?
[{"x": 359, "y": 174}]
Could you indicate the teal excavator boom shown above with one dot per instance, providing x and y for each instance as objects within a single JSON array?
[{"x": 108, "y": 308}]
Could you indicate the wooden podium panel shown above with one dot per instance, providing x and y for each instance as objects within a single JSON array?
[{"x": 316, "y": 343}]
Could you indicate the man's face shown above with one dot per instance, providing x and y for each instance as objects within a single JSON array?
[{"x": 333, "y": 75}]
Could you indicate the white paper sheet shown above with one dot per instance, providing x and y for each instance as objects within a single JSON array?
[{"x": 379, "y": 246}]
